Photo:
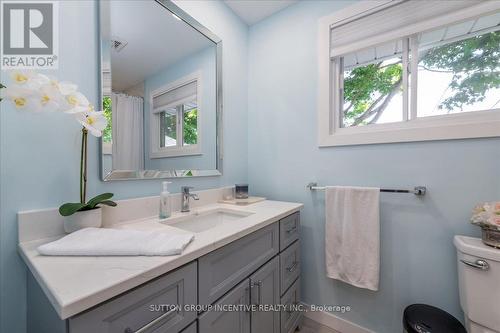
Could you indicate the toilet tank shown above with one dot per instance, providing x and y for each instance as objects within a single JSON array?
[{"x": 479, "y": 281}]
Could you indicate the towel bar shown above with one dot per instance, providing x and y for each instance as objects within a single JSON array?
[{"x": 417, "y": 190}]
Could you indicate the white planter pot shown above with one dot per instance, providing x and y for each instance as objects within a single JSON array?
[{"x": 85, "y": 219}]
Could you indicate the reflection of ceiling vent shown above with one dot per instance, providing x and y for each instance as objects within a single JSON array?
[{"x": 118, "y": 44}]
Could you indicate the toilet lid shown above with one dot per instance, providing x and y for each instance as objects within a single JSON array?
[{"x": 422, "y": 318}]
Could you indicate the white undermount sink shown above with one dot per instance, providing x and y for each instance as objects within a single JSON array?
[{"x": 204, "y": 220}]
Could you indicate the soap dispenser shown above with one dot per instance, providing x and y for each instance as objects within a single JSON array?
[{"x": 165, "y": 202}]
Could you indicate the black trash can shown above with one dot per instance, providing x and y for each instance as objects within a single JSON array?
[{"x": 422, "y": 318}]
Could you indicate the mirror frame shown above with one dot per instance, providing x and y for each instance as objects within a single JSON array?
[{"x": 161, "y": 174}]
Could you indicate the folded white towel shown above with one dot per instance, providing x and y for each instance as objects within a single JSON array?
[
  {"x": 113, "y": 242},
  {"x": 352, "y": 235}
]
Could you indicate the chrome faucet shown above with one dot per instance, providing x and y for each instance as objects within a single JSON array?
[{"x": 186, "y": 195}]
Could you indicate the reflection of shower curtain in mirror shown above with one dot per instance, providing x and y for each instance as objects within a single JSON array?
[{"x": 128, "y": 120}]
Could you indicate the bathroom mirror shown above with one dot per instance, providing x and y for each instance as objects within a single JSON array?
[{"x": 161, "y": 92}]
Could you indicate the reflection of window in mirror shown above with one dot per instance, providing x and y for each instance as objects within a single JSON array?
[
  {"x": 107, "y": 139},
  {"x": 179, "y": 124},
  {"x": 175, "y": 124}
]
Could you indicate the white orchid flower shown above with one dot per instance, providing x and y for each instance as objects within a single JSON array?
[
  {"x": 38, "y": 92},
  {"x": 94, "y": 121},
  {"x": 21, "y": 97},
  {"x": 48, "y": 98},
  {"x": 76, "y": 102},
  {"x": 44, "y": 93},
  {"x": 41, "y": 79},
  {"x": 26, "y": 79},
  {"x": 66, "y": 88},
  {"x": 22, "y": 77}
]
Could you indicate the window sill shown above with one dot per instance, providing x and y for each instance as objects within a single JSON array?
[
  {"x": 176, "y": 152},
  {"x": 424, "y": 129}
]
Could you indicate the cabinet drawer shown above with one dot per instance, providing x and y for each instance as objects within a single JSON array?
[
  {"x": 289, "y": 230},
  {"x": 222, "y": 269},
  {"x": 135, "y": 310},
  {"x": 289, "y": 317},
  {"x": 289, "y": 266}
]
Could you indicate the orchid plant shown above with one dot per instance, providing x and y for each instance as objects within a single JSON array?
[{"x": 40, "y": 93}]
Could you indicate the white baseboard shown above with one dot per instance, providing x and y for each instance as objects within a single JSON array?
[{"x": 334, "y": 322}]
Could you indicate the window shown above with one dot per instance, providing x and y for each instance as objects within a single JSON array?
[
  {"x": 179, "y": 124},
  {"x": 371, "y": 90},
  {"x": 403, "y": 79},
  {"x": 176, "y": 119},
  {"x": 461, "y": 74}
]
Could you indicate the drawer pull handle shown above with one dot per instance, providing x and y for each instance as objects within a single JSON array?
[
  {"x": 152, "y": 323},
  {"x": 293, "y": 267},
  {"x": 259, "y": 291},
  {"x": 479, "y": 264},
  {"x": 289, "y": 231}
]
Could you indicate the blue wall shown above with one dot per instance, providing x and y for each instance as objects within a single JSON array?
[
  {"x": 203, "y": 61},
  {"x": 418, "y": 257},
  {"x": 275, "y": 145},
  {"x": 40, "y": 152}
]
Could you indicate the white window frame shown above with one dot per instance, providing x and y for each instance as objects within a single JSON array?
[
  {"x": 475, "y": 124},
  {"x": 175, "y": 151}
]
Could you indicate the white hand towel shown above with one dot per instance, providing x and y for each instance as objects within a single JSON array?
[
  {"x": 113, "y": 242},
  {"x": 352, "y": 235}
]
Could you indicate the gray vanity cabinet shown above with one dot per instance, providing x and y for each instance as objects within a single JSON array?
[
  {"x": 290, "y": 317},
  {"x": 289, "y": 266},
  {"x": 220, "y": 321},
  {"x": 289, "y": 230},
  {"x": 265, "y": 291},
  {"x": 133, "y": 312},
  {"x": 237, "y": 288},
  {"x": 262, "y": 288},
  {"x": 276, "y": 282},
  {"x": 224, "y": 268}
]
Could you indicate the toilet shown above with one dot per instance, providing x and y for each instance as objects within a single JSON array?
[{"x": 479, "y": 284}]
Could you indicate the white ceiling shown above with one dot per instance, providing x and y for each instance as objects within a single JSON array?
[
  {"x": 156, "y": 40},
  {"x": 253, "y": 11}
]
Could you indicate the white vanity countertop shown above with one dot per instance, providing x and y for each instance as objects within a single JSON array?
[{"x": 74, "y": 284}]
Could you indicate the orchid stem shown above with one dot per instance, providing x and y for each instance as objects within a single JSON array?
[{"x": 83, "y": 167}]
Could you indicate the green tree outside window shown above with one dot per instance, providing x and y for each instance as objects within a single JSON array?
[
  {"x": 474, "y": 64},
  {"x": 107, "y": 133}
]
